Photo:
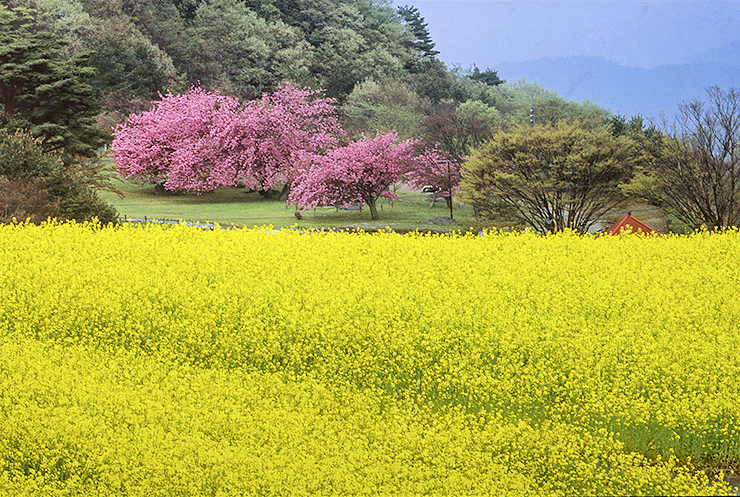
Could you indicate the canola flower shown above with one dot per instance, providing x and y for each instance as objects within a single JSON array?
[{"x": 167, "y": 360}]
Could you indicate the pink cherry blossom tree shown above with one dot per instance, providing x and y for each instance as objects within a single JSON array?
[
  {"x": 264, "y": 141},
  {"x": 359, "y": 172},
  {"x": 436, "y": 169},
  {"x": 200, "y": 141},
  {"x": 173, "y": 141}
]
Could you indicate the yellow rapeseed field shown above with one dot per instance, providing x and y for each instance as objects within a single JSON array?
[{"x": 167, "y": 360}]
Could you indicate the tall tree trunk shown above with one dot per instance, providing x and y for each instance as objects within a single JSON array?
[
  {"x": 370, "y": 201},
  {"x": 285, "y": 191}
]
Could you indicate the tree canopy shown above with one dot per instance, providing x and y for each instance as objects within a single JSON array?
[
  {"x": 247, "y": 47},
  {"x": 49, "y": 138},
  {"x": 552, "y": 177},
  {"x": 45, "y": 91}
]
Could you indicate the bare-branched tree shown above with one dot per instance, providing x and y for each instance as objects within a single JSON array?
[{"x": 695, "y": 170}]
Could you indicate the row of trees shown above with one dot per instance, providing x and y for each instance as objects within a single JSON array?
[
  {"x": 201, "y": 140},
  {"x": 251, "y": 46},
  {"x": 566, "y": 175},
  {"x": 569, "y": 175}
]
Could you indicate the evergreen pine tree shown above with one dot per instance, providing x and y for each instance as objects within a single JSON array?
[
  {"x": 44, "y": 91},
  {"x": 421, "y": 40}
]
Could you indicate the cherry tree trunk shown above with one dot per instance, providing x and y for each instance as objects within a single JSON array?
[
  {"x": 285, "y": 192},
  {"x": 373, "y": 208}
]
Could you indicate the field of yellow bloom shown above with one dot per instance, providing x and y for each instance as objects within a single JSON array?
[{"x": 167, "y": 360}]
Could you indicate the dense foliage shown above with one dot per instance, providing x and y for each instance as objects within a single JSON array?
[
  {"x": 554, "y": 178},
  {"x": 36, "y": 184},
  {"x": 162, "y": 361},
  {"x": 244, "y": 47},
  {"x": 44, "y": 91}
]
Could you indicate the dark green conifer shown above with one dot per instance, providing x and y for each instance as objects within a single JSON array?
[
  {"x": 421, "y": 40},
  {"x": 45, "y": 91}
]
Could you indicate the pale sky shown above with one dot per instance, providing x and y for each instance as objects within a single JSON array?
[{"x": 632, "y": 33}]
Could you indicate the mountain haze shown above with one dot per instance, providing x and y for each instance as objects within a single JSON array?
[{"x": 625, "y": 90}]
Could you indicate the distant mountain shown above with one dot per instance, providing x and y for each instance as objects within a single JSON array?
[
  {"x": 624, "y": 90},
  {"x": 728, "y": 53}
]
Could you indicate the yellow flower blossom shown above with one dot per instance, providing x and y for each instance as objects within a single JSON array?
[{"x": 167, "y": 360}]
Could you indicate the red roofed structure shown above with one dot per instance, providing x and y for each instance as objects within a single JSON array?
[{"x": 626, "y": 223}]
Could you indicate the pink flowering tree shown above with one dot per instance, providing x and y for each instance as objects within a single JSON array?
[
  {"x": 359, "y": 172},
  {"x": 436, "y": 169},
  {"x": 264, "y": 142},
  {"x": 173, "y": 141},
  {"x": 200, "y": 141}
]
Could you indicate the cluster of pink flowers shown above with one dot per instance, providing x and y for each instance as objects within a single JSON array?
[
  {"x": 359, "y": 172},
  {"x": 200, "y": 141},
  {"x": 173, "y": 141}
]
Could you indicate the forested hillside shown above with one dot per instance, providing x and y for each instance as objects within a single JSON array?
[
  {"x": 377, "y": 61},
  {"x": 71, "y": 71}
]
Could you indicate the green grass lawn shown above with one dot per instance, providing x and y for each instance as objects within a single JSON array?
[
  {"x": 236, "y": 206},
  {"x": 239, "y": 207}
]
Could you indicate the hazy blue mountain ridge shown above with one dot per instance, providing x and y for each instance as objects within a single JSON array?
[{"x": 625, "y": 90}]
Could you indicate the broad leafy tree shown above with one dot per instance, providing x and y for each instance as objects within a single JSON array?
[
  {"x": 554, "y": 177},
  {"x": 263, "y": 142},
  {"x": 432, "y": 81},
  {"x": 125, "y": 72},
  {"x": 172, "y": 143},
  {"x": 235, "y": 45},
  {"x": 388, "y": 105},
  {"x": 350, "y": 40}
]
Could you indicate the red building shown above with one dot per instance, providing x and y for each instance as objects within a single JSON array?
[{"x": 626, "y": 223}]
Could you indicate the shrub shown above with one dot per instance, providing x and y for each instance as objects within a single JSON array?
[
  {"x": 37, "y": 184},
  {"x": 25, "y": 200}
]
